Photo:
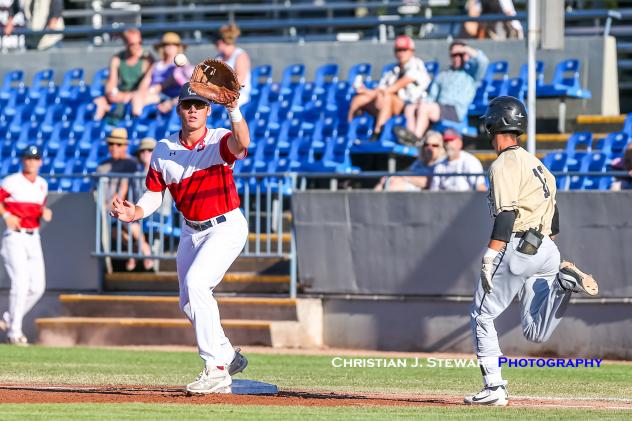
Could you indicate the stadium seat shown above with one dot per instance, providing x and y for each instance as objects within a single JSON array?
[
  {"x": 481, "y": 100},
  {"x": 497, "y": 78},
  {"x": 70, "y": 85},
  {"x": 432, "y": 67},
  {"x": 595, "y": 162},
  {"x": 361, "y": 69},
  {"x": 613, "y": 143},
  {"x": 565, "y": 82},
  {"x": 97, "y": 87},
  {"x": 578, "y": 141}
]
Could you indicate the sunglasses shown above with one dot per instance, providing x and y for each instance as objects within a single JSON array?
[
  {"x": 456, "y": 55},
  {"x": 399, "y": 50},
  {"x": 187, "y": 104},
  {"x": 432, "y": 145},
  {"x": 145, "y": 150},
  {"x": 114, "y": 144}
]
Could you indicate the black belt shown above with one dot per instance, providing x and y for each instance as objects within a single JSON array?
[
  {"x": 25, "y": 231},
  {"x": 201, "y": 226}
]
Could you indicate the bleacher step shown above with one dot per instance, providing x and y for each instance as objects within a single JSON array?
[
  {"x": 166, "y": 307},
  {"x": 258, "y": 265},
  {"x": 598, "y": 123},
  {"x": 109, "y": 331},
  {"x": 168, "y": 282}
]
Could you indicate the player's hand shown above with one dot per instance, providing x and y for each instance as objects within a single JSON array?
[
  {"x": 487, "y": 271},
  {"x": 122, "y": 209},
  {"x": 13, "y": 222},
  {"x": 47, "y": 214},
  {"x": 231, "y": 106}
]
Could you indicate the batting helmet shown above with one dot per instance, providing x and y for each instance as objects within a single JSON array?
[{"x": 505, "y": 114}]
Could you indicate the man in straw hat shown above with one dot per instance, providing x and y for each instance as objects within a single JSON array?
[
  {"x": 162, "y": 82},
  {"x": 195, "y": 165}
]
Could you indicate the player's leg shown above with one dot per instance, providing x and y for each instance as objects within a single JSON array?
[
  {"x": 37, "y": 273},
  {"x": 219, "y": 249},
  {"x": 16, "y": 264},
  {"x": 184, "y": 257},
  {"x": 543, "y": 300}
]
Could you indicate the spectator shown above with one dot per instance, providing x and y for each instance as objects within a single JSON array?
[
  {"x": 498, "y": 30},
  {"x": 127, "y": 69},
  {"x": 236, "y": 58},
  {"x": 42, "y": 15},
  {"x": 431, "y": 151},
  {"x": 451, "y": 93},
  {"x": 120, "y": 162},
  {"x": 623, "y": 164},
  {"x": 8, "y": 9},
  {"x": 161, "y": 84},
  {"x": 457, "y": 161},
  {"x": 405, "y": 84}
]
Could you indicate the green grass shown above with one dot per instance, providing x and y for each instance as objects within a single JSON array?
[
  {"x": 130, "y": 367},
  {"x": 93, "y": 366},
  {"x": 140, "y": 412}
]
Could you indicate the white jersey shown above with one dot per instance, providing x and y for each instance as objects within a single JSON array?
[
  {"x": 414, "y": 69},
  {"x": 465, "y": 164},
  {"x": 24, "y": 198}
]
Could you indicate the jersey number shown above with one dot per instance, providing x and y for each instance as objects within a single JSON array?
[{"x": 539, "y": 172}]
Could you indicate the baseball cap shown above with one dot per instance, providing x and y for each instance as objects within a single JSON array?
[
  {"x": 404, "y": 42},
  {"x": 187, "y": 93},
  {"x": 451, "y": 134},
  {"x": 31, "y": 151}
]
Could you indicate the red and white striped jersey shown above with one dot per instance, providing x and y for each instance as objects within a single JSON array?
[
  {"x": 199, "y": 178},
  {"x": 24, "y": 198}
]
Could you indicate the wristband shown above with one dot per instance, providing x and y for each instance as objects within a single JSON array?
[
  {"x": 491, "y": 253},
  {"x": 235, "y": 115}
]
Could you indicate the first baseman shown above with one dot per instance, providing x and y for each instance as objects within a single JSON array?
[
  {"x": 22, "y": 204},
  {"x": 521, "y": 257},
  {"x": 196, "y": 166}
]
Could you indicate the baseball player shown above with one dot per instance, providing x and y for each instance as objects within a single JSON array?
[
  {"x": 521, "y": 258},
  {"x": 22, "y": 204},
  {"x": 196, "y": 166}
]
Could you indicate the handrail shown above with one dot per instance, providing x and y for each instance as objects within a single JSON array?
[{"x": 336, "y": 22}]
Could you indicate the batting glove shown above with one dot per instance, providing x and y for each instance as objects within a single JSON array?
[{"x": 487, "y": 270}]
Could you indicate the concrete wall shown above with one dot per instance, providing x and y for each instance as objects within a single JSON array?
[
  {"x": 589, "y": 49},
  {"x": 431, "y": 243},
  {"x": 439, "y": 325},
  {"x": 67, "y": 242}
]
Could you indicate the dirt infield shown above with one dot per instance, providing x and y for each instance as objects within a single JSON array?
[{"x": 168, "y": 394}]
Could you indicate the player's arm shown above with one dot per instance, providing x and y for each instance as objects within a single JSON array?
[
  {"x": 12, "y": 221},
  {"x": 239, "y": 141}
]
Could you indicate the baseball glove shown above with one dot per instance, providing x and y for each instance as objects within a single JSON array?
[{"x": 215, "y": 80}]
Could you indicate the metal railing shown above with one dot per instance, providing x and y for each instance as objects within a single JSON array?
[
  {"x": 265, "y": 202},
  {"x": 264, "y": 199},
  {"x": 295, "y": 25}
]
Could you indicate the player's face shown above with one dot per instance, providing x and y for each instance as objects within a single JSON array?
[
  {"x": 31, "y": 165},
  {"x": 193, "y": 114}
]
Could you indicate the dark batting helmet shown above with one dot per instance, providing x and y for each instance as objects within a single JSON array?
[{"x": 505, "y": 114}]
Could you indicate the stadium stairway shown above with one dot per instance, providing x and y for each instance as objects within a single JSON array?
[
  {"x": 116, "y": 320},
  {"x": 141, "y": 308}
]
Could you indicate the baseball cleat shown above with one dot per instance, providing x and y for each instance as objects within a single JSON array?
[
  {"x": 238, "y": 364},
  {"x": 18, "y": 340},
  {"x": 494, "y": 396},
  {"x": 211, "y": 380},
  {"x": 573, "y": 279}
]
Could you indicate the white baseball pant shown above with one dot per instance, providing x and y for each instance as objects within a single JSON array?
[
  {"x": 24, "y": 262},
  {"x": 542, "y": 301},
  {"x": 202, "y": 260}
]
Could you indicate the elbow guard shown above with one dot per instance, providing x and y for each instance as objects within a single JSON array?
[{"x": 503, "y": 226}]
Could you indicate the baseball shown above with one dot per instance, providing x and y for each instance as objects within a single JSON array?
[{"x": 180, "y": 60}]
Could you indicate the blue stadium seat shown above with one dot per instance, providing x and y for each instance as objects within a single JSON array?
[
  {"x": 565, "y": 82},
  {"x": 432, "y": 67},
  {"x": 579, "y": 141},
  {"x": 293, "y": 76},
  {"x": 362, "y": 69},
  {"x": 337, "y": 156},
  {"x": 12, "y": 81},
  {"x": 497, "y": 78},
  {"x": 595, "y": 162},
  {"x": 70, "y": 85},
  {"x": 97, "y": 87},
  {"x": 613, "y": 143},
  {"x": 481, "y": 100},
  {"x": 462, "y": 127}
]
